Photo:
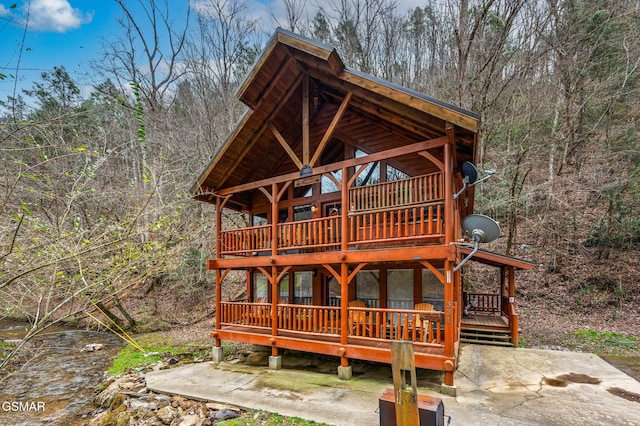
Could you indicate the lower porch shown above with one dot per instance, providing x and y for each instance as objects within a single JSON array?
[{"x": 356, "y": 333}]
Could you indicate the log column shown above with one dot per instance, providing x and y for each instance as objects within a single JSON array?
[{"x": 449, "y": 274}]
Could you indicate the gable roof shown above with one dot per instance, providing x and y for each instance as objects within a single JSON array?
[{"x": 379, "y": 115}]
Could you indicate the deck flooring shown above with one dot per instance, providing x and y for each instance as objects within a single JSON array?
[{"x": 485, "y": 321}]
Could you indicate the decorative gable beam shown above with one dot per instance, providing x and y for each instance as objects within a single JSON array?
[
  {"x": 331, "y": 129},
  {"x": 285, "y": 145}
]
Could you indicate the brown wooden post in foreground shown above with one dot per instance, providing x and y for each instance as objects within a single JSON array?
[{"x": 406, "y": 396}]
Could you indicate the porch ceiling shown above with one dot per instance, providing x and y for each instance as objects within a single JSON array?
[{"x": 379, "y": 116}]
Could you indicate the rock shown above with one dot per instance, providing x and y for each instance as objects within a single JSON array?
[
  {"x": 225, "y": 415},
  {"x": 117, "y": 401},
  {"x": 151, "y": 421},
  {"x": 166, "y": 414},
  {"x": 186, "y": 404},
  {"x": 190, "y": 420},
  {"x": 122, "y": 419},
  {"x": 104, "y": 398},
  {"x": 92, "y": 347},
  {"x": 218, "y": 406},
  {"x": 138, "y": 405},
  {"x": 160, "y": 398},
  {"x": 97, "y": 420},
  {"x": 258, "y": 358}
]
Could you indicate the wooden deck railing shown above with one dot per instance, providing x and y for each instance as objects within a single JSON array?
[
  {"x": 371, "y": 323},
  {"x": 313, "y": 233},
  {"x": 397, "y": 193},
  {"x": 404, "y": 209},
  {"x": 251, "y": 314},
  {"x": 246, "y": 240},
  {"x": 397, "y": 324},
  {"x": 422, "y": 221},
  {"x": 485, "y": 303},
  {"x": 316, "y": 319}
]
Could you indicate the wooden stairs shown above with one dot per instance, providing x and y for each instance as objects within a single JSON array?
[
  {"x": 486, "y": 330},
  {"x": 484, "y": 336}
]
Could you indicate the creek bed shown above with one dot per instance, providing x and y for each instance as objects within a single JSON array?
[{"x": 58, "y": 380}]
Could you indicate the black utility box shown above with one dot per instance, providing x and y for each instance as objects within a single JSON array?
[{"x": 430, "y": 410}]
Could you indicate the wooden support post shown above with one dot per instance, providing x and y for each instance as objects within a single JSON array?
[
  {"x": 275, "y": 280},
  {"x": 305, "y": 120},
  {"x": 344, "y": 302},
  {"x": 344, "y": 211},
  {"x": 450, "y": 275},
  {"x": 218, "y": 342},
  {"x": 274, "y": 219},
  {"x": 406, "y": 396},
  {"x": 513, "y": 316},
  {"x": 449, "y": 315},
  {"x": 218, "y": 272}
]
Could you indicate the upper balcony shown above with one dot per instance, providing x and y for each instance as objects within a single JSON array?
[{"x": 401, "y": 212}]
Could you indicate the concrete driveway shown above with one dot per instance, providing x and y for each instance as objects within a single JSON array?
[{"x": 495, "y": 386}]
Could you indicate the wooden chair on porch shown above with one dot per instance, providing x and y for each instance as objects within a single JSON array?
[
  {"x": 258, "y": 315},
  {"x": 423, "y": 322},
  {"x": 359, "y": 319}
]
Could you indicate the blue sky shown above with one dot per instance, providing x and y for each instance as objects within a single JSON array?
[
  {"x": 60, "y": 32},
  {"x": 71, "y": 33}
]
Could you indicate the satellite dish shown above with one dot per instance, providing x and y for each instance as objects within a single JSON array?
[
  {"x": 480, "y": 229},
  {"x": 470, "y": 176},
  {"x": 469, "y": 172}
]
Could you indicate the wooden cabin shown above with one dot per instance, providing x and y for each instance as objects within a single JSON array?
[{"x": 350, "y": 230}]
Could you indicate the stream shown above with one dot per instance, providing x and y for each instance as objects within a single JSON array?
[{"x": 57, "y": 384}]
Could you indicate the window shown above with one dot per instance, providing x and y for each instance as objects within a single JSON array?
[
  {"x": 400, "y": 289},
  {"x": 432, "y": 289},
  {"x": 260, "y": 286},
  {"x": 371, "y": 173},
  {"x": 368, "y": 287},
  {"x": 302, "y": 212},
  {"x": 395, "y": 174},
  {"x": 327, "y": 185},
  {"x": 283, "y": 290},
  {"x": 260, "y": 219},
  {"x": 335, "y": 293},
  {"x": 303, "y": 288}
]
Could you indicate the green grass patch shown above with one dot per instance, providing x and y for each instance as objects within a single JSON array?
[
  {"x": 264, "y": 418},
  {"x": 156, "y": 347},
  {"x": 604, "y": 340}
]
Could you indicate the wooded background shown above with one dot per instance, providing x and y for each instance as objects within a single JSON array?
[{"x": 94, "y": 189}]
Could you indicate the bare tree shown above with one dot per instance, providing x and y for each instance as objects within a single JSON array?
[{"x": 149, "y": 51}]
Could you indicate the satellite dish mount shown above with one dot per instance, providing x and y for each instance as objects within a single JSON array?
[
  {"x": 480, "y": 229},
  {"x": 470, "y": 177}
]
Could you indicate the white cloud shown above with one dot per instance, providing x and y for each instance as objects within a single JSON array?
[{"x": 55, "y": 15}]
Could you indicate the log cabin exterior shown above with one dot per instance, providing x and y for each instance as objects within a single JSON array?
[{"x": 352, "y": 230}]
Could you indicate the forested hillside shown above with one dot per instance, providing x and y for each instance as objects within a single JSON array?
[{"x": 95, "y": 182}]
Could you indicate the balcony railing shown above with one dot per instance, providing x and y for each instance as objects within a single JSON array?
[
  {"x": 368, "y": 323},
  {"x": 397, "y": 193},
  {"x": 421, "y": 221},
  {"x": 396, "y": 211},
  {"x": 313, "y": 233},
  {"x": 246, "y": 240}
]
